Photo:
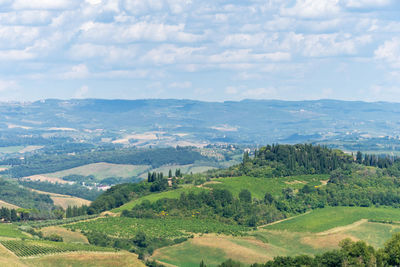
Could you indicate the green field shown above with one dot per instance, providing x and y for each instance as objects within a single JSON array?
[
  {"x": 167, "y": 227},
  {"x": 324, "y": 219},
  {"x": 154, "y": 197},
  {"x": 103, "y": 170},
  {"x": 10, "y": 230},
  {"x": 259, "y": 186},
  {"x": 11, "y": 149}
]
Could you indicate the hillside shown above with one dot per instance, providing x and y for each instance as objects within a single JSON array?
[
  {"x": 171, "y": 122},
  {"x": 281, "y": 202}
]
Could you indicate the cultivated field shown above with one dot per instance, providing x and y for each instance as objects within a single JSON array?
[
  {"x": 86, "y": 259},
  {"x": 103, "y": 170},
  {"x": 327, "y": 218},
  {"x": 167, "y": 227},
  {"x": 312, "y": 233},
  {"x": 67, "y": 235},
  {"x": 65, "y": 200}
]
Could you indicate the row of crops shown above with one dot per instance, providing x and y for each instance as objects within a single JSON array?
[
  {"x": 46, "y": 223},
  {"x": 165, "y": 227},
  {"x": 26, "y": 248}
]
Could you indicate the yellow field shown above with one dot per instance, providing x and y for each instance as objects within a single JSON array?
[
  {"x": 8, "y": 205},
  {"x": 65, "y": 200},
  {"x": 9, "y": 259},
  {"x": 86, "y": 259},
  {"x": 67, "y": 235}
]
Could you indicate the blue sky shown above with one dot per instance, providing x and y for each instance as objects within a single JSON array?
[{"x": 206, "y": 50}]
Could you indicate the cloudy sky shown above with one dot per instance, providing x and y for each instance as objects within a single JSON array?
[{"x": 209, "y": 50}]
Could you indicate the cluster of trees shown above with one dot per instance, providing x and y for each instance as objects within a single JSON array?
[
  {"x": 218, "y": 204},
  {"x": 13, "y": 193},
  {"x": 8, "y": 215},
  {"x": 46, "y": 163},
  {"x": 284, "y": 160},
  {"x": 76, "y": 211},
  {"x": 140, "y": 244},
  {"x": 118, "y": 195}
]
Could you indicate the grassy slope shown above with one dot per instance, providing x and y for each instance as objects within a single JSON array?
[
  {"x": 259, "y": 186},
  {"x": 67, "y": 235},
  {"x": 154, "y": 197},
  {"x": 10, "y": 230},
  {"x": 103, "y": 170},
  {"x": 327, "y": 218},
  {"x": 304, "y": 234}
]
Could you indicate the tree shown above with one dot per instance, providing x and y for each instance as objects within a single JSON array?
[
  {"x": 169, "y": 173},
  {"x": 392, "y": 250},
  {"x": 245, "y": 195},
  {"x": 14, "y": 215},
  {"x": 359, "y": 157}
]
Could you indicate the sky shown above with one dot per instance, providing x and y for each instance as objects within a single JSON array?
[{"x": 206, "y": 50}]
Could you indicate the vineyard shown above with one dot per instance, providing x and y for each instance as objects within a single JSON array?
[
  {"x": 46, "y": 223},
  {"x": 27, "y": 248},
  {"x": 164, "y": 228}
]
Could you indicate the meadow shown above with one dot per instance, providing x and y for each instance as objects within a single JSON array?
[
  {"x": 330, "y": 217},
  {"x": 259, "y": 186}
]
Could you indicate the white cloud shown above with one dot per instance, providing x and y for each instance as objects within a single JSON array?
[
  {"x": 180, "y": 85},
  {"x": 313, "y": 9},
  {"x": 7, "y": 85},
  {"x": 231, "y": 90},
  {"x": 16, "y": 55},
  {"x": 141, "y": 31},
  {"x": 82, "y": 92},
  {"x": 169, "y": 54},
  {"x": 389, "y": 51},
  {"x": 366, "y": 3},
  {"x": 77, "y": 72},
  {"x": 44, "y": 4}
]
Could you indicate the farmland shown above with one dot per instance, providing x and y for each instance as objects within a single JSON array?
[
  {"x": 324, "y": 219},
  {"x": 164, "y": 227},
  {"x": 11, "y": 230},
  {"x": 290, "y": 237},
  {"x": 86, "y": 259},
  {"x": 103, "y": 170},
  {"x": 27, "y": 248},
  {"x": 65, "y": 200}
]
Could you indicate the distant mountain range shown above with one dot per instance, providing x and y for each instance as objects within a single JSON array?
[{"x": 169, "y": 121}]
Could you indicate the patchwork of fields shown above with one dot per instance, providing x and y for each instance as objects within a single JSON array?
[{"x": 312, "y": 233}]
